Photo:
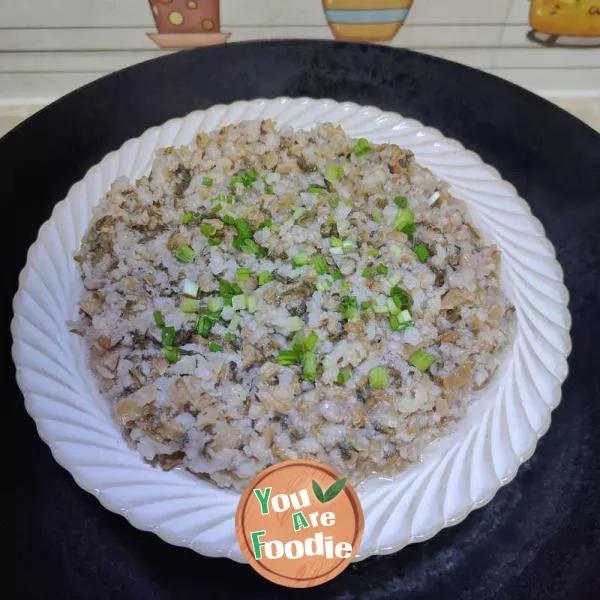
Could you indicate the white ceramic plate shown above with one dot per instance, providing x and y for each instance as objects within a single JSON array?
[{"x": 458, "y": 474}]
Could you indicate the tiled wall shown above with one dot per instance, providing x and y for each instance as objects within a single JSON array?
[{"x": 48, "y": 47}]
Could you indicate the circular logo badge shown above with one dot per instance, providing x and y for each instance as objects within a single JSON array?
[{"x": 299, "y": 523}]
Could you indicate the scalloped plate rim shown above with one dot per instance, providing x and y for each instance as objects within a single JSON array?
[{"x": 436, "y": 135}]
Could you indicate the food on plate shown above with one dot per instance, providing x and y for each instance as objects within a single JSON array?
[{"x": 269, "y": 294}]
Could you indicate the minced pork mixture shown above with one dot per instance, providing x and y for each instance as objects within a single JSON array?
[{"x": 268, "y": 294}]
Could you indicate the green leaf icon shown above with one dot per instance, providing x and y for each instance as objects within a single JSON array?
[
  {"x": 331, "y": 492},
  {"x": 318, "y": 491}
]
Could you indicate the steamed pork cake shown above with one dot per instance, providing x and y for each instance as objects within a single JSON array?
[{"x": 268, "y": 294}]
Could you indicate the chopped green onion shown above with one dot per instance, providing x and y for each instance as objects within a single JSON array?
[
  {"x": 296, "y": 324},
  {"x": 309, "y": 366},
  {"x": 333, "y": 173},
  {"x": 316, "y": 189},
  {"x": 392, "y": 308},
  {"x": 381, "y": 308},
  {"x": 367, "y": 273},
  {"x": 265, "y": 277},
  {"x": 349, "y": 307},
  {"x": 409, "y": 229},
  {"x": 422, "y": 252},
  {"x": 243, "y": 228},
  {"x": 348, "y": 202},
  {"x": 188, "y": 217},
  {"x": 348, "y": 245},
  {"x": 403, "y": 218},
  {"x": 324, "y": 283},
  {"x": 378, "y": 377},
  {"x": 362, "y": 147},
  {"x": 214, "y": 347},
  {"x": 227, "y": 290},
  {"x": 382, "y": 269},
  {"x": 235, "y": 181},
  {"x": 190, "y": 305},
  {"x": 238, "y": 302},
  {"x": 333, "y": 201},
  {"x": 269, "y": 190},
  {"x": 345, "y": 287},
  {"x": 300, "y": 259},
  {"x": 171, "y": 354},
  {"x": 216, "y": 208},
  {"x": 230, "y": 337},
  {"x": 395, "y": 279},
  {"x": 337, "y": 274},
  {"x": 366, "y": 305},
  {"x": 228, "y": 219},
  {"x": 243, "y": 274},
  {"x": 251, "y": 303},
  {"x": 261, "y": 252},
  {"x": 207, "y": 181},
  {"x": 401, "y": 201},
  {"x": 245, "y": 245},
  {"x": 421, "y": 360},
  {"x": 185, "y": 254},
  {"x": 159, "y": 318},
  {"x": 311, "y": 340},
  {"x": 248, "y": 177},
  {"x": 405, "y": 320},
  {"x": 344, "y": 375},
  {"x": 298, "y": 212},
  {"x": 235, "y": 322},
  {"x": 401, "y": 298},
  {"x": 267, "y": 223},
  {"x": 190, "y": 288},
  {"x": 207, "y": 230},
  {"x": 320, "y": 264},
  {"x": 168, "y": 335},
  {"x": 204, "y": 325},
  {"x": 215, "y": 304},
  {"x": 289, "y": 357},
  {"x": 377, "y": 217},
  {"x": 373, "y": 252},
  {"x": 214, "y": 241}
]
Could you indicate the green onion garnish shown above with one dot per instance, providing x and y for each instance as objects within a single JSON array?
[
  {"x": 190, "y": 305},
  {"x": 311, "y": 340},
  {"x": 168, "y": 335},
  {"x": 239, "y": 302},
  {"x": 320, "y": 264},
  {"x": 344, "y": 375},
  {"x": 248, "y": 177},
  {"x": 269, "y": 190},
  {"x": 267, "y": 223},
  {"x": 216, "y": 208},
  {"x": 185, "y": 254},
  {"x": 367, "y": 273},
  {"x": 422, "y": 252},
  {"x": 171, "y": 354},
  {"x": 373, "y": 252},
  {"x": 324, "y": 283},
  {"x": 207, "y": 181},
  {"x": 159, "y": 318},
  {"x": 300, "y": 259},
  {"x": 394, "y": 323},
  {"x": 309, "y": 366},
  {"x": 401, "y": 298},
  {"x": 215, "y": 304},
  {"x": 348, "y": 245},
  {"x": 377, "y": 216},
  {"x": 289, "y": 357},
  {"x": 409, "y": 229},
  {"x": 265, "y": 277},
  {"x": 261, "y": 252},
  {"x": 401, "y": 201},
  {"x": 349, "y": 307},
  {"x": 333, "y": 173},
  {"x": 227, "y": 290},
  {"x": 337, "y": 274},
  {"x": 345, "y": 287},
  {"x": 251, "y": 303},
  {"x": 207, "y": 230},
  {"x": 421, "y": 360},
  {"x": 214, "y": 347},
  {"x": 235, "y": 181},
  {"x": 230, "y": 337},
  {"x": 382, "y": 269},
  {"x": 243, "y": 274},
  {"x": 214, "y": 241},
  {"x": 366, "y": 305},
  {"x": 333, "y": 201},
  {"x": 362, "y": 147},
  {"x": 188, "y": 217},
  {"x": 204, "y": 325},
  {"x": 228, "y": 219},
  {"x": 243, "y": 228},
  {"x": 403, "y": 218},
  {"x": 378, "y": 377},
  {"x": 190, "y": 288},
  {"x": 316, "y": 189}
]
